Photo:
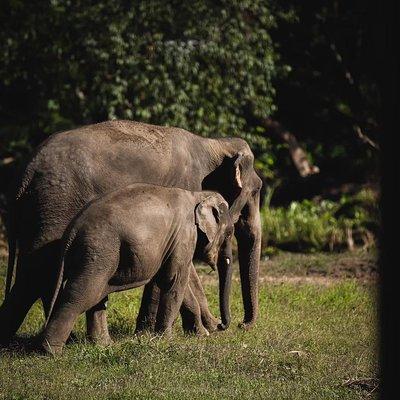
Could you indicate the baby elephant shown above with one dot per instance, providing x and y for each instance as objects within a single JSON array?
[{"x": 128, "y": 237}]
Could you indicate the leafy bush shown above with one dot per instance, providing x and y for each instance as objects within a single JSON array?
[
  {"x": 322, "y": 225},
  {"x": 204, "y": 66}
]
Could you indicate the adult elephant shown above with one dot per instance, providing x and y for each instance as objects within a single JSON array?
[{"x": 71, "y": 168}]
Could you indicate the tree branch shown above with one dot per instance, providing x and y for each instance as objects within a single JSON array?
[
  {"x": 365, "y": 138},
  {"x": 297, "y": 153},
  {"x": 354, "y": 87}
]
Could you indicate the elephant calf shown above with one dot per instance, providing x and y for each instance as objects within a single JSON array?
[{"x": 129, "y": 237}]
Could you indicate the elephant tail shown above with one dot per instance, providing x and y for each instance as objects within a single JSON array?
[
  {"x": 67, "y": 240},
  {"x": 10, "y": 224},
  {"x": 12, "y": 249}
]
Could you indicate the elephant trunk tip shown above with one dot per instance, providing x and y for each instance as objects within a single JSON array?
[{"x": 223, "y": 326}]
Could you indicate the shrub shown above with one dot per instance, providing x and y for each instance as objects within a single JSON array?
[{"x": 322, "y": 225}]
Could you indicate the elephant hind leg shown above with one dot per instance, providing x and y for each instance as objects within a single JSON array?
[
  {"x": 14, "y": 309},
  {"x": 96, "y": 324},
  {"x": 146, "y": 319},
  {"x": 81, "y": 293}
]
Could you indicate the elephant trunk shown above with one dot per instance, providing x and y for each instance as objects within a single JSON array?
[
  {"x": 248, "y": 234},
  {"x": 224, "y": 266}
]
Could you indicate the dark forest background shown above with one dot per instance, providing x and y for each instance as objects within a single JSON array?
[{"x": 295, "y": 79}]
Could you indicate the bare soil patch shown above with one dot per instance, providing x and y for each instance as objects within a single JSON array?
[{"x": 317, "y": 268}]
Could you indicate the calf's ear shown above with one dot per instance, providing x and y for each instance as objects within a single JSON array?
[{"x": 207, "y": 214}]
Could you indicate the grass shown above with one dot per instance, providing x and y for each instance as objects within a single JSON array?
[{"x": 309, "y": 340}]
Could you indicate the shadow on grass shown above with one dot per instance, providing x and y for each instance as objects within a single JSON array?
[
  {"x": 25, "y": 345},
  {"x": 21, "y": 345}
]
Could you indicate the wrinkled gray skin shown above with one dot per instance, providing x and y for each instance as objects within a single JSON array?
[
  {"x": 128, "y": 237},
  {"x": 71, "y": 168}
]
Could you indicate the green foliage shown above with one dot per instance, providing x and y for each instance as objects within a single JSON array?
[
  {"x": 210, "y": 67},
  {"x": 322, "y": 225},
  {"x": 198, "y": 65}
]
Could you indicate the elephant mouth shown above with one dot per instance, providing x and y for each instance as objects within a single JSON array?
[
  {"x": 226, "y": 261},
  {"x": 212, "y": 262},
  {"x": 211, "y": 259},
  {"x": 213, "y": 255}
]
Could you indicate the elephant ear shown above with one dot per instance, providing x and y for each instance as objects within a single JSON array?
[
  {"x": 238, "y": 169},
  {"x": 208, "y": 213}
]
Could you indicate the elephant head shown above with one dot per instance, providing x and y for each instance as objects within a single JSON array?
[
  {"x": 215, "y": 230},
  {"x": 237, "y": 181}
]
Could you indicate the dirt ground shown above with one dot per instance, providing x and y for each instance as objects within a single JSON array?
[
  {"x": 319, "y": 268},
  {"x": 359, "y": 264}
]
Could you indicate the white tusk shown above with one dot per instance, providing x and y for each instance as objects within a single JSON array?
[{"x": 228, "y": 261}]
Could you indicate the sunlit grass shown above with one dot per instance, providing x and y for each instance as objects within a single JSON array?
[{"x": 308, "y": 341}]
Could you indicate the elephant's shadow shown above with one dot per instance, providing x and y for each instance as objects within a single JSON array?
[
  {"x": 24, "y": 344},
  {"x": 21, "y": 345}
]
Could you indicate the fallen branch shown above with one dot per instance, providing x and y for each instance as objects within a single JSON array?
[
  {"x": 297, "y": 153},
  {"x": 365, "y": 138}
]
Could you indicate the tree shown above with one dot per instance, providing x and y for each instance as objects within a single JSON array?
[
  {"x": 330, "y": 96},
  {"x": 198, "y": 65},
  {"x": 286, "y": 76}
]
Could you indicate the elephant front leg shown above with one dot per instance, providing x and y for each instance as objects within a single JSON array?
[
  {"x": 14, "y": 309},
  {"x": 191, "y": 314},
  {"x": 172, "y": 293},
  {"x": 209, "y": 321},
  {"x": 146, "y": 319},
  {"x": 96, "y": 324}
]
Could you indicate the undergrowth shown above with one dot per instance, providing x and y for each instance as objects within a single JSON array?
[{"x": 322, "y": 225}]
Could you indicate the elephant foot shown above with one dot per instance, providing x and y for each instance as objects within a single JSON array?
[
  {"x": 103, "y": 340},
  {"x": 246, "y": 326},
  {"x": 164, "y": 332},
  {"x": 142, "y": 332},
  {"x": 197, "y": 330},
  {"x": 46, "y": 347},
  {"x": 201, "y": 331},
  {"x": 211, "y": 324},
  {"x": 145, "y": 327}
]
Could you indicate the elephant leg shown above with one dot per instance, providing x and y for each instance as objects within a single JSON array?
[
  {"x": 146, "y": 319},
  {"x": 209, "y": 321},
  {"x": 15, "y": 307},
  {"x": 81, "y": 293},
  {"x": 25, "y": 291},
  {"x": 96, "y": 323},
  {"x": 191, "y": 314},
  {"x": 171, "y": 297},
  {"x": 151, "y": 296},
  {"x": 96, "y": 318}
]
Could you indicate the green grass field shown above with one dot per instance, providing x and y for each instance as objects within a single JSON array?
[{"x": 316, "y": 331}]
